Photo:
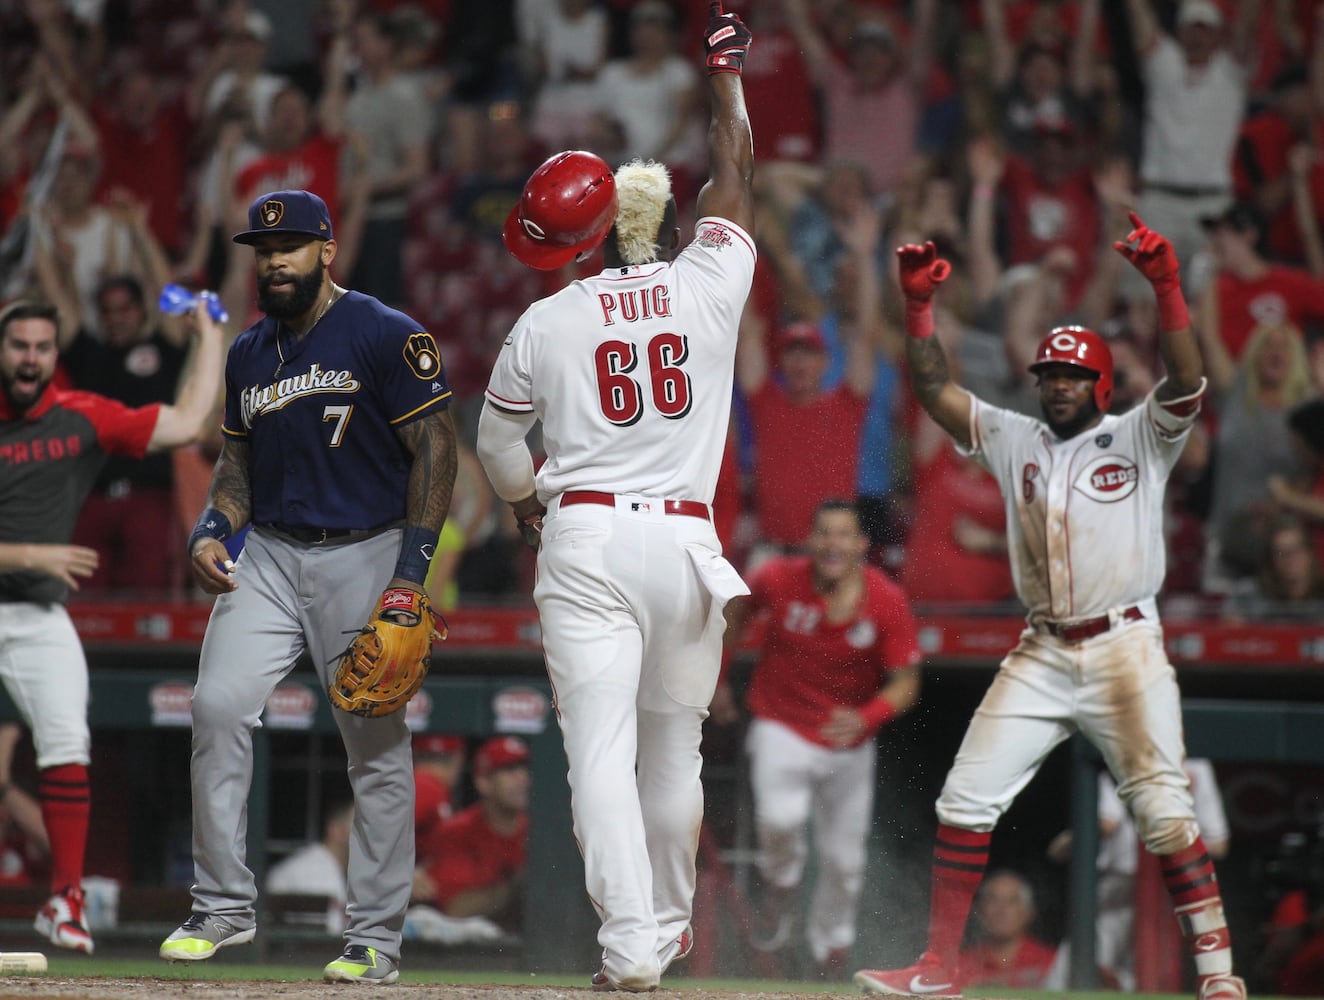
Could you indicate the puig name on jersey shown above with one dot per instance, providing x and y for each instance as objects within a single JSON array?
[{"x": 268, "y": 398}]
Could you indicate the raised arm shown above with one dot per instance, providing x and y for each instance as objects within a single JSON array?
[
  {"x": 183, "y": 421},
  {"x": 1001, "y": 53},
  {"x": 1144, "y": 25},
  {"x": 728, "y": 194},
  {"x": 1152, "y": 255},
  {"x": 921, "y": 270}
]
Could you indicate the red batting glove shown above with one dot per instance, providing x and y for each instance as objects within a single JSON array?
[
  {"x": 921, "y": 272},
  {"x": 1152, "y": 255},
  {"x": 726, "y": 41}
]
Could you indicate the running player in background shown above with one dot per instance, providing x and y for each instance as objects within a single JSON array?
[
  {"x": 339, "y": 449},
  {"x": 631, "y": 374},
  {"x": 840, "y": 660},
  {"x": 1083, "y": 491},
  {"x": 53, "y": 444}
]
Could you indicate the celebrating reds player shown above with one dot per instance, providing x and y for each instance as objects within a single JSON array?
[
  {"x": 839, "y": 661},
  {"x": 1083, "y": 490},
  {"x": 52, "y": 446},
  {"x": 340, "y": 451},
  {"x": 631, "y": 373}
]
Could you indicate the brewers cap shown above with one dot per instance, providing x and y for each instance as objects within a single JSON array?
[{"x": 299, "y": 212}]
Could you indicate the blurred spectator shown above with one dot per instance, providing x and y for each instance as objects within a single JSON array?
[
  {"x": 652, "y": 96},
  {"x": 1262, "y": 168},
  {"x": 1290, "y": 583},
  {"x": 1002, "y": 951},
  {"x": 839, "y": 660},
  {"x": 438, "y": 764},
  {"x": 1252, "y": 443},
  {"x": 480, "y": 53},
  {"x": 793, "y": 417},
  {"x": 468, "y": 525},
  {"x": 1251, "y": 290},
  {"x": 783, "y": 114},
  {"x": 1195, "y": 98},
  {"x": 564, "y": 44},
  {"x": 25, "y": 849},
  {"x": 144, "y": 141},
  {"x": 1304, "y": 496},
  {"x": 956, "y": 548},
  {"x": 483, "y": 198},
  {"x": 871, "y": 95},
  {"x": 1119, "y": 856},
  {"x": 129, "y": 515},
  {"x": 1035, "y": 81},
  {"x": 319, "y": 869},
  {"x": 392, "y": 127},
  {"x": 236, "y": 74},
  {"x": 479, "y": 867}
]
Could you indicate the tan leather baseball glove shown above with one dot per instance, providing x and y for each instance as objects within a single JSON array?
[{"x": 386, "y": 662}]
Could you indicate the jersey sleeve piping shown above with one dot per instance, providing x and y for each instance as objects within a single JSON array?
[
  {"x": 509, "y": 404},
  {"x": 419, "y": 409},
  {"x": 237, "y": 435}
]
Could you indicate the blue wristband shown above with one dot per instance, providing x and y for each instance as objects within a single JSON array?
[
  {"x": 211, "y": 524},
  {"x": 417, "y": 548}
]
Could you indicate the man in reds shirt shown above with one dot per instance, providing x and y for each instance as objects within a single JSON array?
[
  {"x": 52, "y": 445},
  {"x": 479, "y": 871},
  {"x": 1004, "y": 953},
  {"x": 438, "y": 761},
  {"x": 840, "y": 660}
]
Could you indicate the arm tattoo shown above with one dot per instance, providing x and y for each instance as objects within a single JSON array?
[
  {"x": 231, "y": 490},
  {"x": 431, "y": 442},
  {"x": 928, "y": 368}
]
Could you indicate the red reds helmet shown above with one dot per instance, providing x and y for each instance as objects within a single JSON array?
[
  {"x": 565, "y": 211},
  {"x": 1076, "y": 345}
]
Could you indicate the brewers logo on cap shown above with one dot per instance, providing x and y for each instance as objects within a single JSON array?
[{"x": 272, "y": 212}]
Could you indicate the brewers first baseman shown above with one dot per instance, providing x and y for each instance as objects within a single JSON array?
[
  {"x": 630, "y": 372},
  {"x": 53, "y": 443},
  {"x": 1083, "y": 491},
  {"x": 339, "y": 449}
]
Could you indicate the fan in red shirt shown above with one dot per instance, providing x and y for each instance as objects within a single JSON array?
[
  {"x": 1250, "y": 290},
  {"x": 839, "y": 660},
  {"x": 438, "y": 761},
  {"x": 1005, "y": 953},
  {"x": 479, "y": 869}
]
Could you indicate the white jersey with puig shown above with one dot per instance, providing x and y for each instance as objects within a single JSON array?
[
  {"x": 631, "y": 371},
  {"x": 1085, "y": 515}
]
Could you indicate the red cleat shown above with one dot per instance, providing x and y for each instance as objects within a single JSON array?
[{"x": 926, "y": 978}]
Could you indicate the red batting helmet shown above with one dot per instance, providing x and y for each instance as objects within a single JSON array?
[
  {"x": 565, "y": 210},
  {"x": 1076, "y": 345}
]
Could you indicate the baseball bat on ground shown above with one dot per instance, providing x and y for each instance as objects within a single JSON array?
[{"x": 16, "y": 963}]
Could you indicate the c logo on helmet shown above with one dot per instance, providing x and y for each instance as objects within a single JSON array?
[
  {"x": 534, "y": 231},
  {"x": 1065, "y": 342},
  {"x": 272, "y": 212}
]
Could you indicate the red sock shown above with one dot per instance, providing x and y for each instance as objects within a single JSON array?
[
  {"x": 959, "y": 859},
  {"x": 1193, "y": 885},
  {"x": 66, "y": 801}
]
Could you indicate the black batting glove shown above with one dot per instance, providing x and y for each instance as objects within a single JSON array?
[{"x": 726, "y": 41}]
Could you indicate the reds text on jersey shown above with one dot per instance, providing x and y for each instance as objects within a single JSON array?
[
  {"x": 1085, "y": 515},
  {"x": 319, "y": 414},
  {"x": 647, "y": 347},
  {"x": 49, "y": 459}
]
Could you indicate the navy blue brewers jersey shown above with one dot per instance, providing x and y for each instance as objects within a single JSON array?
[
  {"x": 49, "y": 458},
  {"x": 320, "y": 414}
]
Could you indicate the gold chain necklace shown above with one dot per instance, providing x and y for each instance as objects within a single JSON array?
[{"x": 280, "y": 353}]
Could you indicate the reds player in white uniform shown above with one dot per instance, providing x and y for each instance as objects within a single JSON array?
[
  {"x": 630, "y": 373},
  {"x": 1084, "y": 500}
]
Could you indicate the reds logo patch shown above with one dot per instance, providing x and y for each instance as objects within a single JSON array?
[
  {"x": 272, "y": 212},
  {"x": 1028, "y": 476},
  {"x": 1109, "y": 478},
  {"x": 422, "y": 356}
]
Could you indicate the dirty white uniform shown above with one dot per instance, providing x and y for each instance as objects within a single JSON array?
[
  {"x": 631, "y": 374},
  {"x": 1085, "y": 533}
]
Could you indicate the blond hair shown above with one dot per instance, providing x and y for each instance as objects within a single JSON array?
[
  {"x": 1297, "y": 385},
  {"x": 642, "y": 192}
]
